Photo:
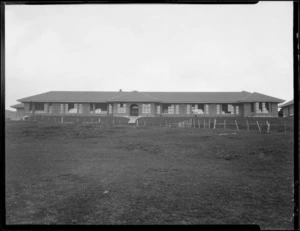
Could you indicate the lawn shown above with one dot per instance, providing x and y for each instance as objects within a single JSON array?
[{"x": 98, "y": 174}]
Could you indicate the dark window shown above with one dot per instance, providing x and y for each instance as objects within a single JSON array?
[
  {"x": 225, "y": 108},
  {"x": 165, "y": 108},
  {"x": 121, "y": 104},
  {"x": 91, "y": 107},
  {"x": 30, "y": 106},
  {"x": 39, "y": 107},
  {"x": 267, "y": 106},
  {"x": 260, "y": 106},
  {"x": 102, "y": 106},
  {"x": 252, "y": 107},
  {"x": 50, "y": 104},
  {"x": 71, "y": 106},
  {"x": 201, "y": 106}
]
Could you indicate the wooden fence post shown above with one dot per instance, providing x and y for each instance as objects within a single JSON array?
[
  {"x": 99, "y": 120},
  {"x": 268, "y": 129},
  {"x": 137, "y": 123},
  {"x": 247, "y": 125},
  {"x": 258, "y": 126},
  {"x": 62, "y": 119},
  {"x": 198, "y": 124},
  {"x": 237, "y": 127},
  {"x": 208, "y": 123},
  {"x": 224, "y": 124},
  {"x": 215, "y": 123}
]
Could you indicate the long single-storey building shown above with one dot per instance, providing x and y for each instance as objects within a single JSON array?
[{"x": 152, "y": 104}]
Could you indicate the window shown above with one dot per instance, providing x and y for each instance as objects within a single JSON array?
[
  {"x": 252, "y": 107},
  {"x": 50, "y": 108},
  {"x": 100, "y": 108},
  {"x": 197, "y": 108},
  {"x": 110, "y": 109},
  {"x": 188, "y": 109},
  {"x": 230, "y": 108},
  {"x": 237, "y": 110},
  {"x": 171, "y": 109},
  {"x": 146, "y": 108},
  {"x": 39, "y": 107},
  {"x": 218, "y": 109},
  {"x": 71, "y": 108},
  {"x": 91, "y": 108},
  {"x": 61, "y": 108},
  {"x": 121, "y": 108}
]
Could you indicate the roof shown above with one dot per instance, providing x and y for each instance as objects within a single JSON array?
[
  {"x": 258, "y": 97},
  {"x": 18, "y": 106},
  {"x": 163, "y": 97},
  {"x": 291, "y": 102}
]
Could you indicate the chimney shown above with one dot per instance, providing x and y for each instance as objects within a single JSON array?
[{"x": 120, "y": 90}]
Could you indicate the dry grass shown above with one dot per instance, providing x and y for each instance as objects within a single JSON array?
[{"x": 98, "y": 174}]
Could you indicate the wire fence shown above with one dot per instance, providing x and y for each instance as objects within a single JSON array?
[{"x": 258, "y": 124}]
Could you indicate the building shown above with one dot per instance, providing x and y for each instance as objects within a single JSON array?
[
  {"x": 10, "y": 115},
  {"x": 20, "y": 110},
  {"x": 288, "y": 108},
  {"x": 152, "y": 104}
]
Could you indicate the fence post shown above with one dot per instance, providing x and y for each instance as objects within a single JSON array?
[
  {"x": 268, "y": 124},
  {"x": 247, "y": 125},
  {"x": 224, "y": 124},
  {"x": 208, "y": 123},
  {"x": 215, "y": 123},
  {"x": 237, "y": 127},
  {"x": 258, "y": 126},
  {"x": 99, "y": 120},
  {"x": 198, "y": 124},
  {"x": 62, "y": 119},
  {"x": 204, "y": 124},
  {"x": 137, "y": 123},
  {"x": 144, "y": 123}
]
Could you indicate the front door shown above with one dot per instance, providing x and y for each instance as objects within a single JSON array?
[{"x": 134, "y": 110}]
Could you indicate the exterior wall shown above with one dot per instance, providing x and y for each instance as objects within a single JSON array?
[
  {"x": 20, "y": 113},
  {"x": 288, "y": 111},
  {"x": 273, "y": 110},
  {"x": 26, "y": 108},
  {"x": 244, "y": 110}
]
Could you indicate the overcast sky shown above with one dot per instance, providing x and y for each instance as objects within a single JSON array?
[{"x": 147, "y": 47}]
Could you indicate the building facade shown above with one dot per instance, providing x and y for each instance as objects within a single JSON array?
[
  {"x": 288, "y": 108},
  {"x": 19, "y": 113},
  {"x": 152, "y": 104}
]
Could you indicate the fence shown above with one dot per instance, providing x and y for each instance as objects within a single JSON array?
[
  {"x": 259, "y": 124},
  {"x": 79, "y": 119}
]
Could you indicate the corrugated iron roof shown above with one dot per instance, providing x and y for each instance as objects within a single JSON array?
[
  {"x": 164, "y": 97},
  {"x": 258, "y": 97}
]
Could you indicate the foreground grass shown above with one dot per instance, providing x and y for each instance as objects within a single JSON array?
[{"x": 92, "y": 174}]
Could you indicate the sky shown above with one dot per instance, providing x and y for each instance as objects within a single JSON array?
[{"x": 149, "y": 47}]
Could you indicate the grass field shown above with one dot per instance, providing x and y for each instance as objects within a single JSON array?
[{"x": 98, "y": 174}]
